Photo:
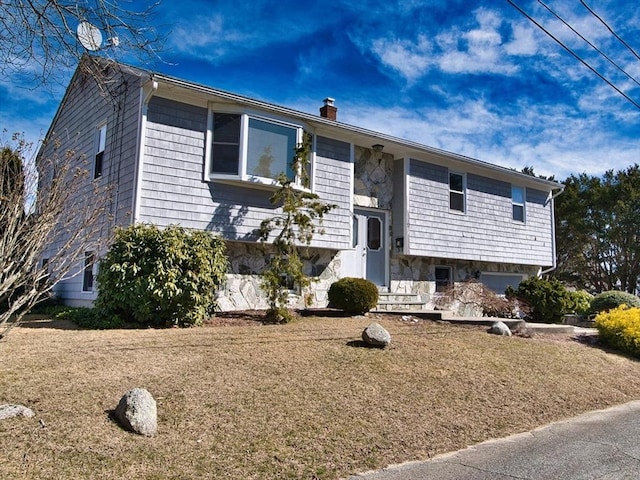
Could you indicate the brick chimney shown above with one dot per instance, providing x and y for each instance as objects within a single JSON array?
[{"x": 328, "y": 111}]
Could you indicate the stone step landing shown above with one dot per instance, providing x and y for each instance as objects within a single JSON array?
[{"x": 399, "y": 301}]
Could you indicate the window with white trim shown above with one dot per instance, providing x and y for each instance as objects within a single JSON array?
[
  {"x": 456, "y": 192},
  {"x": 101, "y": 143},
  {"x": 249, "y": 148},
  {"x": 517, "y": 202},
  {"x": 87, "y": 272}
]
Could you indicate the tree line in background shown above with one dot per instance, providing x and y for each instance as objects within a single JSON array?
[{"x": 598, "y": 231}]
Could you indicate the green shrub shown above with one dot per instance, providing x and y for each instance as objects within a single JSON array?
[
  {"x": 581, "y": 302},
  {"x": 353, "y": 295},
  {"x": 161, "y": 277},
  {"x": 90, "y": 318},
  {"x": 607, "y": 300},
  {"x": 620, "y": 328},
  {"x": 548, "y": 300}
]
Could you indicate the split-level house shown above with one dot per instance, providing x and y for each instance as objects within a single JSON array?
[{"x": 409, "y": 217}]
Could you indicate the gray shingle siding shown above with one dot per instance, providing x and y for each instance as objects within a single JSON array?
[
  {"x": 486, "y": 231},
  {"x": 332, "y": 182},
  {"x": 173, "y": 190},
  {"x": 84, "y": 107}
]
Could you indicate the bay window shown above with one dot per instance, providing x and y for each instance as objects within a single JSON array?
[{"x": 248, "y": 148}]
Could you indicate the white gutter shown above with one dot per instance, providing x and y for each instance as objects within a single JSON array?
[
  {"x": 142, "y": 137},
  {"x": 553, "y": 232}
]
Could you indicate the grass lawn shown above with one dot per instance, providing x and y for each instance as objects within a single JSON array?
[{"x": 293, "y": 401}]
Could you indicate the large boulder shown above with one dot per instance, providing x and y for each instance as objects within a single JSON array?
[
  {"x": 375, "y": 335},
  {"x": 500, "y": 328},
  {"x": 137, "y": 411},
  {"x": 11, "y": 410}
]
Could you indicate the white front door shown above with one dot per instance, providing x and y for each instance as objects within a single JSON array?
[{"x": 368, "y": 258}]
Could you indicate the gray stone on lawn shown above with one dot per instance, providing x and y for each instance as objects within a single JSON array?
[
  {"x": 500, "y": 328},
  {"x": 137, "y": 411},
  {"x": 10, "y": 411},
  {"x": 376, "y": 335}
]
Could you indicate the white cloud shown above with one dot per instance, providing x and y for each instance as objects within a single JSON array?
[
  {"x": 524, "y": 41},
  {"x": 410, "y": 59}
]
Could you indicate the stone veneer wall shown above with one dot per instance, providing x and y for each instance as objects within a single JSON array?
[
  {"x": 416, "y": 275},
  {"x": 247, "y": 261},
  {"x": 373, "y": 178}
]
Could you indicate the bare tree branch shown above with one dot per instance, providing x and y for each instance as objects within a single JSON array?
[
  {"x": 38, "y": 38},
  {"x": 43, "y": 235}
]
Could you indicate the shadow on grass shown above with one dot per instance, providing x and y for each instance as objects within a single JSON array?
[
  {"x": 363, "y": 344},
  {"x": 45, "y": 321}
]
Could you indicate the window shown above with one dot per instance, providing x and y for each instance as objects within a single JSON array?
[
  {"x": 498, "y": 282},
  {"x": 251, "y": 149},
  {"x": 354, "y": 233},
  {"x": 45, "y": 270},
  {"x": 456, "y": 192},
  {"x": 225, "y": 151},
  {"x": 101, "y": 142},
  {"x": 87, "y": 273},
  {"x": 374, "y": 233},
  {"x": 443, "y": 278},
  {"x": 517, "y": 201},
  {"x": 271, "y": 148}
]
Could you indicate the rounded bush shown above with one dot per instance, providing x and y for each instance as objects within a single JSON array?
[
  {"x": 548, "y": 300},
  {"x": 161, "y": 277},
  {"x": 354, "y": 296},
  {"x": 581, "y": 302},
  {"x": 612, "y": 299}
]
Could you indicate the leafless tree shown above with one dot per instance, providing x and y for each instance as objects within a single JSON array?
[
  {"x": 40, "y": 40},
  {"x": 474, "y": 296},
  {"x": 32, "y": 220}
]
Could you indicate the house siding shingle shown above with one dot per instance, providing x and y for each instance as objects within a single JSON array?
[
  {"x": 486, "y": 231},
  {"x": 174, "y": 192}
]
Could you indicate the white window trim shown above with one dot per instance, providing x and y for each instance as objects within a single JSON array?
[
  {"x": 97, "y": 147},
  {"x": 463, "y": 192},
  {"x": 94, "y": 271},
  {"x": 242, "y": 175},
  {"x": 523, "y": 204}
]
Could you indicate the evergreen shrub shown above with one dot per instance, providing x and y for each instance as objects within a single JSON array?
[
  {"x": 161, "y": 277},
  {"x": 619, "y": 328},
  {"x": 354, "y": 296},
  {"x": 612, "y": 299},
  {"x": 548, "y": 300}
]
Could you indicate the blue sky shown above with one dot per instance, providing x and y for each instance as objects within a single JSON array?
[{"x": 472, "y": 77}]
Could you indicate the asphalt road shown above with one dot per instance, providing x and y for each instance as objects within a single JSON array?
[{"x": 603, "y": 445}]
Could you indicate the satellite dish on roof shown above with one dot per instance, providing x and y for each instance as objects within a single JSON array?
[{"x": 89, "y": 36}]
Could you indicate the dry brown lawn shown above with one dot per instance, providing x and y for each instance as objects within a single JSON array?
[{"x": 292, "y": 401}]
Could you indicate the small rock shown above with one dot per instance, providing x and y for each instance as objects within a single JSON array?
[
  {"x": 10, "y": 411},
  {"x": 500, "y": 328},
  {"x": 376, "y": 335},
  {"x": 137, "y": 411}
]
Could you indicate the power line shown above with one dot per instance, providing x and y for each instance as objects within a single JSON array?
[
  {"x": 575, "y": 55},
  {"x": 609, "y": 59},
  {"x": 610, "y": 29}
]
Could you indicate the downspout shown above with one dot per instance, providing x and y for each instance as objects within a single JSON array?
[
  {"x": 142, "y": 141},
  {"x": 553, "y": 232}
]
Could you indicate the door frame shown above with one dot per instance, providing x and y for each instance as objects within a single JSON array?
[{"x": 385, "y": 237}]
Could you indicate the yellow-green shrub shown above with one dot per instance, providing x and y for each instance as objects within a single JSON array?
[{"x": 620, "y": 328}]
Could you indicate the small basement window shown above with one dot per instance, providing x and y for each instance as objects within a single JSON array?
[{"x": 443, "y": 278}]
